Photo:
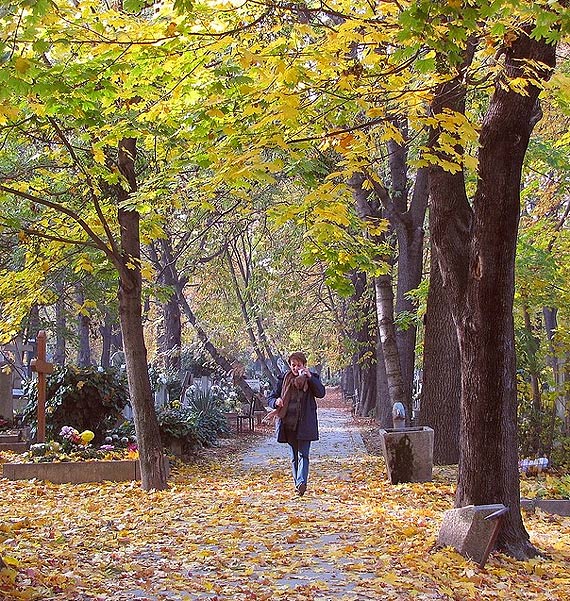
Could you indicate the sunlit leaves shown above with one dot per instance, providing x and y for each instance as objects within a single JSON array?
[{"x": 239, "y": 534}]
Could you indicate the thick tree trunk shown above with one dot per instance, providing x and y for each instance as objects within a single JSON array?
[
  {"x": 365, "y": 334},
  {"x": 441, "y": 389},
  {"x": 153, "y": 467},
  {"x": 368, "y": 207},
  {"x": 481, "y": 289},
  {"x": 407, "y": 220}
]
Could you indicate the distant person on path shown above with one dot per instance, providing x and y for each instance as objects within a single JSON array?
[{"x": 295, "y": 408}]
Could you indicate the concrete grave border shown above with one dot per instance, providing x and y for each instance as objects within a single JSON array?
[{"x": 75, "y": 472}]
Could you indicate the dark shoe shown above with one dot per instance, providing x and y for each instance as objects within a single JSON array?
[{"x": 301, "y": 488}]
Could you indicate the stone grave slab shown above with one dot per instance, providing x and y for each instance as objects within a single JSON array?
[{"x": 472, "y": 530}]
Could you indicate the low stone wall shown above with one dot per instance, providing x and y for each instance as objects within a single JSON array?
[
  {"x": 74, "y": 471},
  {"x": 555, "y": 506}
]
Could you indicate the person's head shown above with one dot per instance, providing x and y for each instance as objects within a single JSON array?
[{"x": 296, "y": 361}]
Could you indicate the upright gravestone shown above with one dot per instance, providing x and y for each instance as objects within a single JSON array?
[
  {"x": 160, "y": 395},
  {"x": 6, "y": 393}
]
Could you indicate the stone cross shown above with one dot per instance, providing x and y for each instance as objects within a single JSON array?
[{"x": 42, "y": 368}]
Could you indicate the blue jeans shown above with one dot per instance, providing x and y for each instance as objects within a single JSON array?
[{"x": 300, "y": 460}]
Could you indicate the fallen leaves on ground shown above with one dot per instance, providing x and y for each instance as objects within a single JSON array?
[{"x": 223, "y": 533}]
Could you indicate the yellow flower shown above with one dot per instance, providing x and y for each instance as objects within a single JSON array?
[{"x": 86, "y": 436}]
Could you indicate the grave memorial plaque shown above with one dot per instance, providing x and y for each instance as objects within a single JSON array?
[
  {"x": 472, "y": 530},
  {"x": 6, "y": 394}
]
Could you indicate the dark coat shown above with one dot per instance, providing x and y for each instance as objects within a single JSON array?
[{"x": 308, "y": 427}]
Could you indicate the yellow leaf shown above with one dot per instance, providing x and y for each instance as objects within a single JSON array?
[
  {"x": 21, "y": 64},
  {"x": 215, "y": 113},
  {"x": 98, "y": 155},
  {"x": 11, "y": 561}
]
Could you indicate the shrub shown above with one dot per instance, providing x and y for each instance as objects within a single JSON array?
[
  {"x": 198, "y": 424},
  {"x": 90, "y": 398}
]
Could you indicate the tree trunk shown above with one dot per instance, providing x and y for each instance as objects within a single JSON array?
[
  {"x": 83, "y": 327},
  {"x": 407, "y": 220},
  {"x": 383, "y": 411},
  {"x": 389, "y": 382},
  {"x": 365, "y": 334},
  {"x": 153, "y": 467},
  {"x": 533, "y": 345},
  {"x": 60, "y": 329},
  {"x": 170, "y": 338},
  {"x": 441, "y": 389},
  {"x": 105, "y": 330},
  {"x": 387, "y": 329},
  {"x": 480, "y": 280},
  {"x": 562, "y": 404},
  {"x": 249, "y": 322}
]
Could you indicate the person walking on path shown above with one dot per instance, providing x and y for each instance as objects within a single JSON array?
[{"x": 294, "y": 406}]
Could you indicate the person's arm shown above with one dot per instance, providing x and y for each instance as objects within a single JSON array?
[
  {"x": 316, "y": 385},
  {"x": 275, "y": 393}
]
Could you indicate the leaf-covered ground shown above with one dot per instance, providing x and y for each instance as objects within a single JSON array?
[{"x": 224, "y": 533}]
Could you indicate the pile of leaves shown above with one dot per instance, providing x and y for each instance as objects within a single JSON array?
[
  {"x": 222, "y": 532},
  {"x": 546, "y": 486},
  {"x": 227, "y": 531}
]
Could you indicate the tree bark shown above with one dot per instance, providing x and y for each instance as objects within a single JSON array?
[
  {"x": 441, "y": 388},
  {"x": 387, "y": 329},
  {"x": 249, "y": 322},
  {"x": 83, "y": 327},
  {"x": 383, "y": 411},
  {"x": 386, "y": 380},
  {"x": 407, "y": 220},
  {"x": 560, "y": 375},
  {"x": 105, "y": 330},
  {"x": 153, "y": 467},
  {"x": 364, "y": 332},
  {"x": 536, "y": 417},
  {"x": 170, "y": 337},
  {"x": 59, "y": 355},
  {"x": 479, "y": 277}
]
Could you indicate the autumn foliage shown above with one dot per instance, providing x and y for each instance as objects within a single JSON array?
[{"x": 222, "y": 532}]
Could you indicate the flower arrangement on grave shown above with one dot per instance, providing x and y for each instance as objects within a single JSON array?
[{"x": 76, "y": 446}]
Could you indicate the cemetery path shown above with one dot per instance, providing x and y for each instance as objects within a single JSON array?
[{"x": 233, "y": 529}]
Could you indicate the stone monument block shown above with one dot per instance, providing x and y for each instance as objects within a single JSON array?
[
  {"x": 6, "y": 393},
  {"x": 408, "y": 453},
  {"x": 472, "y": 530}
]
